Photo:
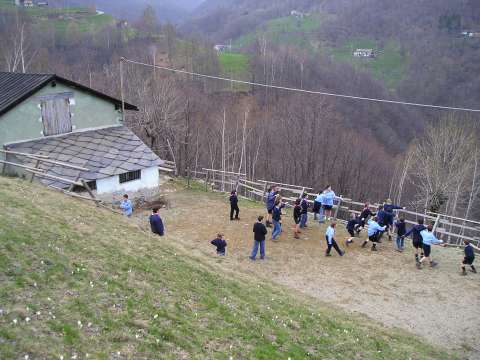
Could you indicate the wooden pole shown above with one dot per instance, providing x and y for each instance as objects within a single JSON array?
[
  {"x": 122, "y": 94},
  {"x": 335, "y": 216},
  {"x": 85, "y": 185},
  {"x": 188, "y": 177},
  {"x": 206, "y": 181},
  {"x": 37, "y": 163}
]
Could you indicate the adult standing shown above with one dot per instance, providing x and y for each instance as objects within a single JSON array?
[
  {"x": 277, "y": 218},
  {"x": 259, "y": 231},
  {"x": 271, "y": 196}
]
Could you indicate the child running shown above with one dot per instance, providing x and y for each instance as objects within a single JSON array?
[
  {"x": 297, "y": 213},
  {"x": 277, "y": 218},
  {"x": 417, "y": 240},
  {"x": 375, "y": 231},
  {"x": 220, "y": 244},
  {"x": 364, "y": 216},
  {"x": 469, "y": 257},
  {"x": 390, "y": 216},
  {"x": 429, "y": 239},
  {"x": 234, "y": 206},
  {"x": 330, "y": 237},
  {"x": 351, "y": 228},
  {"x": 401, "y": 231}
]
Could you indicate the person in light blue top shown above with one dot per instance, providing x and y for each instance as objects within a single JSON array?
[
  {"x": 126, "y": 206},
  {"x": 328, "y": 199},
  {"x": 429, "y": 239},
  {"x": 375, "y": 231},
  {"x": 330, "y": 237}
]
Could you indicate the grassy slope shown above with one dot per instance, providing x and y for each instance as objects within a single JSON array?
[
  {"x": 235, "y": 66},
  {"x": 92, "y": 282}
]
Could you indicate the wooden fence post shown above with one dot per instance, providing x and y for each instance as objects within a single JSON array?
[
  {"x": 437, "y": 222},
  {"x": 188, "y": 177},
  {"x": 264, "y": 196},
  {"x": 206, "y": 181},
  {"x": 37, "y": 164},
  {"x": 338, "y": 208}
]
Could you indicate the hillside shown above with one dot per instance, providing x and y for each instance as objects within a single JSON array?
[
  {"x": 81, "y": 282},
  {"x": 422, "y": 55}
]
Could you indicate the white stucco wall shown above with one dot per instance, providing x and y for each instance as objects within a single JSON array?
[{"x": 150, "y": 178}]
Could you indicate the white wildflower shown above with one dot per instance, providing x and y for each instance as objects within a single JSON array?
[
  {"x": 137, "y": 336},
  {"x": 26, "y": 357},
  {"x": 158, "y": 341},
  {"x": 27, "y": 319},
  {"x": 79, "y": 323},
  {"x": 89, "y": 324},
  {"x": 91, "y": 284},
  {"x": 39, "y": 313},
  {"x": 15, "y": 321},
  {"x": 74, "y": 356},
  {"x": 61, "y": 357},
  {"x": 155, "y": 316}
]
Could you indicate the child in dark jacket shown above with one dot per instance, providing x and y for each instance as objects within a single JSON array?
[
  {"x": 469, "y": 258},
  {"x": 304, "y": 205},
  {"x": 234, "y": 205},
  {"x": 220, "y": 244},
  {"x": 352, "y": 223},
  {"x": 156, "y": 223},
  {"x": 297, "y": 213},
  {"x": 401, "y": 226}
]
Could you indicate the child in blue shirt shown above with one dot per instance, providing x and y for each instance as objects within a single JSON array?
[{"x": 126, "y": 206}]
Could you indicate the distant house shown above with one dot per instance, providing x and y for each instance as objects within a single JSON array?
[
  {"x": 297, "y": 14},
  {"x": 471, "y": 34},
  {"x": 222, "y": 48},
  {"x": 42, "y": 3},
  {"x": 364, "y": 53},
  {"x": 47, "y": 115}
]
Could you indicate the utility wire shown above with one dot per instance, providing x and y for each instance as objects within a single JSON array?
[{"x": 438, "y": 107}]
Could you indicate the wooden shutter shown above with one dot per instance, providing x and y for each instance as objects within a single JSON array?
[{"x": 56, "y": 116}]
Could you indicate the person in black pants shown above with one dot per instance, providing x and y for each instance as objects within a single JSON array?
[
  {"x": 469, "y": 257},
  {"x": 330, "y": 237},
  {"x": 234, "y": 205},
  {"x": 297, "y": 213},
  {"x": 259, "y": 231}
]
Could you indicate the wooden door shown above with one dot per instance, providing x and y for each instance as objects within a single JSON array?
[{"x": 56, "y": 116}]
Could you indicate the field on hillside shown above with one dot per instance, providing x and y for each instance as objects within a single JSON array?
[
  {"x": 80, "y": 282},
  {"x": 235, "y": 66},
  {"x": 437, "y": 304},
  {"x": 63, "y": 19}
]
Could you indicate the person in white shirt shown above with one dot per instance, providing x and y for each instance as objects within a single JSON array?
[
  {"x": 330, "y": 237},
  {"x": 429, "y": 239}
]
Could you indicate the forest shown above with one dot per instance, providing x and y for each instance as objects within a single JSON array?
[{"x": 427, "y": 159}]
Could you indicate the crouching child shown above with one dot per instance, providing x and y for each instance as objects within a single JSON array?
[
  {"x": 330, "y": 237},
  {"x": 375, "y": 231},
  {"x": 352, "y": 223},
  {"x": 220, "y": 243}
]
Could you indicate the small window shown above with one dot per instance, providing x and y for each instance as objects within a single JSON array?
[{"x": 130, "y": 176}]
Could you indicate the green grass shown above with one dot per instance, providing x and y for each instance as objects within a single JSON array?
[
  {"x": 236, "y": 66},
  {"x": 389, "y": 66},
  {"x": 91, "y": 282}
]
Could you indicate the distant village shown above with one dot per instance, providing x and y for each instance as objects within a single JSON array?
[{"x": 31, "y": 3}]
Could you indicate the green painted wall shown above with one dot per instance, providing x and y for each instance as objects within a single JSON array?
[{"x": 23, "y": 122}]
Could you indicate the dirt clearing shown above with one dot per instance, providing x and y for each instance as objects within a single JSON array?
[{"x": 437, "y": 304}]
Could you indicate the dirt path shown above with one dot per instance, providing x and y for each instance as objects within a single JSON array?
[{"x": 437, "y": 304}]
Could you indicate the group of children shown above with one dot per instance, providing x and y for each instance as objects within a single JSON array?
[{"x": 379, "y": 223}]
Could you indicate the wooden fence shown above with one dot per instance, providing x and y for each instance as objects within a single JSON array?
[{"x": 451, "y": 229}]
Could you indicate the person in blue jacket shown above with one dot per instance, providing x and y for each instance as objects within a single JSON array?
[
  {"x": 429, "y": 239},
  {"x": 390, "y": 216},
  {"x": 330, "y": 237},
  {"x": 220, "y": 243},
  {"x": 328, "y": 199},
  {"x": 126, "y": 206},
  {"x": 271, "y": 196},
  {"x": 156, "y": 223},
  {"x": 417, "y": 239},
  {"x": 375, "y": 231},
  {"x": 469, "y": 258},
  {"x": 277, "y": 218}
]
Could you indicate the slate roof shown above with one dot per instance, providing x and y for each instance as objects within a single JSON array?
[
  {"x": 17, "y": 87},
  {"x": 104, "y": 152}
]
